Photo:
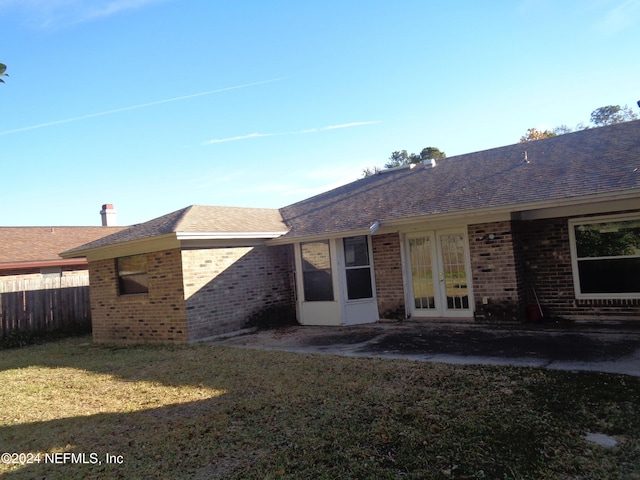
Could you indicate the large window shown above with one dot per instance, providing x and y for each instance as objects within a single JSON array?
[
  {"x": 316, "y": 271},
  {"x": 358, "y": 267},
  {"x": 606, "y": 257},
  {"x": 132, "y": 275}
]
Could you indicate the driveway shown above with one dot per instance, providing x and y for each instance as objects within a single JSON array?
[{"x": 612, "y": 350}]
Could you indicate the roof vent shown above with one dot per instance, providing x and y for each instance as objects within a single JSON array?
[
  {"x": 430, "y": 163},
  {"x": 408, "y": 166}
]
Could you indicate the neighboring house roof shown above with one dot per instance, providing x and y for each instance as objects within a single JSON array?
[
  {"x": 197, "y": 222},
  {"x": 589, "y": 163},
  {"x": 39, "y": 246}
]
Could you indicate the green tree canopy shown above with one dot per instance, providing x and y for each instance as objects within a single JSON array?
[
  {"x": 612, "y": 114},
  {"x": 3, "y": 69},
  {"x": 600, "y": 117},
  {"x": 401, "y": 157}
]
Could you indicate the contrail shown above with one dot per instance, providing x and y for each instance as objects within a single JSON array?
[
  {"x": 282, "y": 134},
  {"x": 134, "y": 107}
]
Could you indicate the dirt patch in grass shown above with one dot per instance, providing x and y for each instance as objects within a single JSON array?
[{"x": 214, "y": 412}]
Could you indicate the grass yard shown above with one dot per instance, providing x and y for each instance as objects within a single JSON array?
[{"x": 211, "y": 412}]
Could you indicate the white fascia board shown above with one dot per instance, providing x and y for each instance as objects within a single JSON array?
[
  {"x": 226, "y": 235},
  {"x": 320, "y": 236}
]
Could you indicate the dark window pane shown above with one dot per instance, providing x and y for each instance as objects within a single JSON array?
[
  {"x": 316, "y": 272},
  {"x": 610, "y": 276},
  {"x": 318, "y": 286},
  {"x": 359, "y": 283},
  {"x": 136, "y": 283},
  {"x": 132, "y": 275}
]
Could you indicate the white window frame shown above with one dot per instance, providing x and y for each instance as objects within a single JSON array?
[
  {"x": 574, "y": 256},
  {"x": 357, "y": 267}
]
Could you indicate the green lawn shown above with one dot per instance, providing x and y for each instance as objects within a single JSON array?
[{"x": 212, "y": 412}]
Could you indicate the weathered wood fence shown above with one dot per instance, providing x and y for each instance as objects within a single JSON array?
[{"x": 45, "y": 305}]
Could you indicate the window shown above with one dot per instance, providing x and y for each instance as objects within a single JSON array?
[
  {"x": 606, "y": 257},
  {"x": 132, "y": 275},
  {"x": 358, "y": 267},
  {"x": 316, "y": 272}
]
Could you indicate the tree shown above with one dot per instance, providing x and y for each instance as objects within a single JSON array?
[
  {"x": 432, "y": 152},
  {"x": 612, "y": 114},
  {"x": 600, "y": 117},
  {"x": 3, "y": 69},
  {"x": 401, "y": 157},
  {"x": 397, "y": 159},
  {"x": 535, "y": 134}
]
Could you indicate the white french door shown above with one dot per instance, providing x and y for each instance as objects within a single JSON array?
[{"x": 438, "y": 270}]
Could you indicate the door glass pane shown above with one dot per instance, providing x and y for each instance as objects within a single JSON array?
[
  {"x": 454, "y": 273},
  {"x": 358, "y": 270},
  {"x": 359, "y": 283},
  {"x": 421, "y": 272},
  {"x": 316, "y": 272}
]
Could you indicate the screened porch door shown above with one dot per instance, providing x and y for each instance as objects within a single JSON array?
[{"x": 439, "y": 274}]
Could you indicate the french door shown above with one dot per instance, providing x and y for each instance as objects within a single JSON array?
[{"x": 439, "y": 274}]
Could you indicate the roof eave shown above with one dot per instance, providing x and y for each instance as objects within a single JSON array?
[
  {"x": 125, "y": 248},
  {"x": 480, "y": 213},
  {"x": 228, "y": 235},
  {"x": 80, "y": 261}
]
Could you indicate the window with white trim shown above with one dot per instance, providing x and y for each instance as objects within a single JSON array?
[
  {"x": 132, "y": 275},
  {"x": 358, "y": 267},
  {"x": 316, "y": 271},
  {"x": 606, "y": 256}
]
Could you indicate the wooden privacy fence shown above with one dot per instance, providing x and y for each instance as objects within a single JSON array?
[{"x": 45, "y": 304}]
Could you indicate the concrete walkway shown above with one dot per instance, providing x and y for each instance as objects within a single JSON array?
[{"x": 601, "y": 349}]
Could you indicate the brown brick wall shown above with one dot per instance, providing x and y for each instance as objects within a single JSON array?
[
  {"x": 546, "y": 264},
  {"x": 388, "y": 272},
  {"x": 158, "y": 316},
  {"x": 228, "y": 289},
  {"x": 494, "y": 272}
]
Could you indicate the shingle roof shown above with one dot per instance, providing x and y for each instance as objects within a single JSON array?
[
  {"x": 585, "y": 163},
  {"x": 197, "y": 219},
  {"x": 32, "y": 244}
]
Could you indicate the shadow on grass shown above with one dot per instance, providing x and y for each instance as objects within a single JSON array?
[{"x": 285, "y": 415}]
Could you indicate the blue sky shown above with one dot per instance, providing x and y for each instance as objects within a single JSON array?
[{"x": 153, "y": 105}]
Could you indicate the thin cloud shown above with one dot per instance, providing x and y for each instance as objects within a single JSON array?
[
  {"x": 621, "y": 17},
  {"x": 243, "y": 137},
  {"x": 64, "y": 13},
  {"x": 282, "y": 134},
  {"x": 135, "y": 107}
]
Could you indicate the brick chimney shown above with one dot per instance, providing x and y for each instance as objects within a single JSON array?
[{"x": 108, "y": 214}]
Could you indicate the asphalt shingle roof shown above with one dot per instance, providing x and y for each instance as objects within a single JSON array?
[
  {"x": 584, "y": 163},
  {"x": 580, "y": 164},
  {"x": 197, "y": 219},
  {"x": 31, "y": 244}
]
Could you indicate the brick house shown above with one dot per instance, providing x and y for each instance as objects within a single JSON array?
[
  {"x": 549, "y": 227},
  {"x": 191, "y": 274}
]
